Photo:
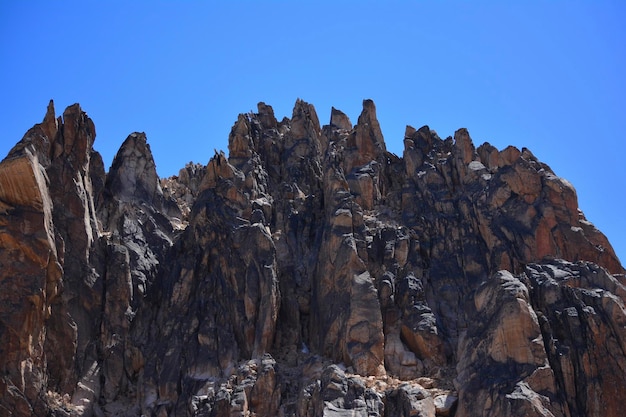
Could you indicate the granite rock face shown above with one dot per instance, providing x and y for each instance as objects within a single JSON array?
[{"x": 310, "y": 272}]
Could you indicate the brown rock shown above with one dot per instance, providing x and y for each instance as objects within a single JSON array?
[
  {"x": 338, "y": 395},
  {"x": 184, "y": 188},
  {"x": 366, "y": 142},
  {"x": 505, "y": 341},
  {"x": 61, "y": 266},
  {"x": 584, "y": 317},
  {"x": 419, "y": 326},
  {"x": 339, "y": 120},
  {"x": 409, "y": 400},
  {"x": 304, "y": 122},
  {"x": 266, "y": 116},
  {"x": 30, "y": 276},
  {"x": 124, "y": 293}
]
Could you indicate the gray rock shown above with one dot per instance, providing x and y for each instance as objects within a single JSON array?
[{"x": 445, "y": 404}]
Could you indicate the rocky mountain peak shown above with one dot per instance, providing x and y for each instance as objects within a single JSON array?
[
  {"x": 309, "y": 272},
  {"x": 339, "y": 120},
  {"x": 304, "y": 121},
  {"x": 266, "y": 116},
  {"x": 133, "y": 176},
  {"x": 50, "y": 124},
  {"x": 365, "y": 142}
]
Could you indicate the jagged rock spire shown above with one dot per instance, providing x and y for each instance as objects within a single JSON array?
[
  {"x": 133, "y": 175},
  {"x": 304, "y": 252}
]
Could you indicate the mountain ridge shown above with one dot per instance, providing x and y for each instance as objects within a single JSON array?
[{"x": 234, "y": 287}]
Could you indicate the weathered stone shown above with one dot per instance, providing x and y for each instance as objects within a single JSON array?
[
  {"x": 583, "y": 324},
  {"x": 339, "y": 120},
  {"x": 30, "y": 277},
  {"x": 408, "y": 401},
  {"x": 61, "y": 150},
  {"x": 184, "y": 189},
  {"x": 366, "y": 142},
  {"x": 374, "y": 281},
  {"x": 445, "y": 404},
  {"x": 338, "y": 395},
  {"x": 502, "y": 349}
]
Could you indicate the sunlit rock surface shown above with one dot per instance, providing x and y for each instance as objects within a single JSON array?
[{"x": 308, "y": 272}]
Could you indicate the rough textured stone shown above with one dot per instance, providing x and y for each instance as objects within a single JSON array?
[
  {"x": 184, "y": 188},
  {"x": 583, "y": 322},
  {"x": 310, "y": 272},
  {"x": 29, "y": 274},
  {"x": 445, "y": 405},
  {"x": 408, "y": 401},
  {"x": 503, "y": 353},
  {"x": 337, "y": 394}
]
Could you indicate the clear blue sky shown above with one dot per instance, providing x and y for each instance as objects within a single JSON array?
[{"x": 548, "y": 75}]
